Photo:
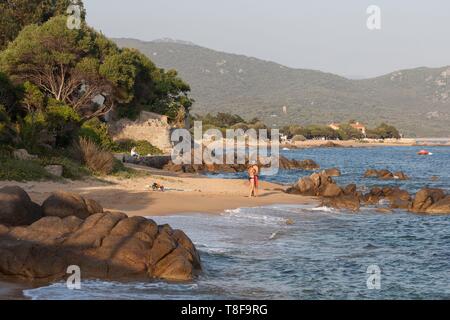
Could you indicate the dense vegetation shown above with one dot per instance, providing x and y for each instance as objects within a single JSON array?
[
  {"x": 57, "y": 85},
  {"x": 345, "y": 132},
  {"x": 17, "y": 14}
]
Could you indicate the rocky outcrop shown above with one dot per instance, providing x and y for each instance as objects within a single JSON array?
[
  {"x": 333, "y": 172},
  {"x": 105, "y": 245},
  {"x": 16, "y": 207},
  {"x": 385, "y": 175},
  {"x": 284, "y": 163},
  {"x": 431, "y": 201},
  {"x": 22, "y": 154},
  {"x": 56, "y": 170},
  {"x": 396, "y": 197},
  {"x": 313, "y": 185},
  {"x": 345, "y": 202},
  {"x": 440, "y": 207},
  {"x": 149, "y": 126},
  {"x": 65, "y": 204},
  {"x": 322, "y": 185}
]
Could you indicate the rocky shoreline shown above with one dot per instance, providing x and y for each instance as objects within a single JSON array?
[
  {"x": 41, "y": 242},
  {"x": 426, "y": 201},
  {"x": 166, "y": 163}
]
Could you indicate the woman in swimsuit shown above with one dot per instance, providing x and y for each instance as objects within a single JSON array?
[
  {"x": 256, "y": 175},
  {"x": 251, "y": 178}
]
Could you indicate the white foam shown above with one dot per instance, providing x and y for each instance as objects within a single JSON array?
[{"x": 323, "y": 209}]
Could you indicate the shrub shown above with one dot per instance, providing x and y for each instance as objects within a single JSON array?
[
  {"x": 97, "y": 132},
  {"x": 63, "y": 122},
  {"x": 143, "y": 147},
  {"x": 97, "y": 159},
  {"x": 34, "y": 134},
  {"x": 71, "y": 169},
  {"x": 298, "y": 138},
  {"x": 22, "y": 170},
  {"x": 8, "y": 133}
]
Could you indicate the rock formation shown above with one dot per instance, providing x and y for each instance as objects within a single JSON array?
[
  {"x": 76, "y": 231},
  {"x": 385, "y": 174}
]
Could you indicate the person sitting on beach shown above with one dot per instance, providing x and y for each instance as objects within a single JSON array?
[
  {"x": 134, "y": 153},
  {"x": 251, "y": 178}
]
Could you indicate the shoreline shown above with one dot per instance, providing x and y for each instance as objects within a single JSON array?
[
  {"x": 310, "y": 144},
  {"x": 185, "y": 193},
  {"x": 13, "y": 290}
]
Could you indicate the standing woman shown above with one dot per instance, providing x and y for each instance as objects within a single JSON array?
[
  {"x": 256, "y": 179},
  {"x": 251, "y": 178}
]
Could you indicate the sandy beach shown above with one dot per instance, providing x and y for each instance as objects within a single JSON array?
[{"x": 185, "y": 193}]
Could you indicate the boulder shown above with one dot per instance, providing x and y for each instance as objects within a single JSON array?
[
  {"x": 344, "y": 202},
  {"x": 385, "y": 174},
  {"x": 55, "y": 170},
  {"x": 305, "y": 186},
  {"x": 16, "y": 207},
  {"x": 108, "y": 246},
  {"x": 22, "y": 154},
  {"x": 425, "y": 198},
  {"x": 65, "y": 204},
  {"x": 332, "y": 190},
  {"x": 93, "y": 206},
  {"x": 350, "y": 189},
  {"x": 333, "y": 172},
  {"x": 440, "y": 207}
]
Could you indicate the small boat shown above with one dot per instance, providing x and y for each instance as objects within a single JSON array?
[
  {"x": 286, "y": 149},
  {"x": 424, "y": 153}
]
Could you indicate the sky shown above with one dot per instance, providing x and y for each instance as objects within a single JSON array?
[{"x": 327, "y": 35}]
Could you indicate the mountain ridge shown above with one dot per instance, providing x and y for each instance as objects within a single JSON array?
[{"x": 415, "y": 100}]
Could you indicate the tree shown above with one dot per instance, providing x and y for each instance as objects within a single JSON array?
[
  {"x": 384, "y": 131},
  {"x": 347, "y": 132},
  {"x": 16, "y": 14},
  {"x": 63, "y": 63},
  {"x": 8, "y": 93},
  {"x": 143, "y": 86}
]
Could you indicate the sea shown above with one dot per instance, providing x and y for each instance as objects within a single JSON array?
[{"x": 253, "y": 253}]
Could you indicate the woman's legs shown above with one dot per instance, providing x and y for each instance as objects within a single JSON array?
[{"x": 252, "y": 187}]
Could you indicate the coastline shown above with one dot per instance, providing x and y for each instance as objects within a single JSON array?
[
  {"x": 358, "y": 144},
  {"x": 185, "y": 193}
]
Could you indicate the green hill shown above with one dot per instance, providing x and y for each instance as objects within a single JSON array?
[{"x": 417, "y": 101}]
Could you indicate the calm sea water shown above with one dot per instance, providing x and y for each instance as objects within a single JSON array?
[{"x": 251, "y": 253}]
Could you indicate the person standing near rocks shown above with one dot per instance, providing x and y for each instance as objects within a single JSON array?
[
  {"x": 251, "y": 178},
  {"x": 256, "y": 169}
]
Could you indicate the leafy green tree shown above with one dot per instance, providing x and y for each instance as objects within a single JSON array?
[
  {"x": 63, "y": 63},
  {"x": 347, "y": 132},
  {"x": 16, "y": 14},
  {"x": 33, "y": 99},
  {"x": 384, "y": 131}
]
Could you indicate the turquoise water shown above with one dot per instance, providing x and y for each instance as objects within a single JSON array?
[{"x": 251, "y": 253}]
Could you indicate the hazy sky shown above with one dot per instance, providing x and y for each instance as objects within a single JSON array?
[{"x": 327, "y": 35}]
